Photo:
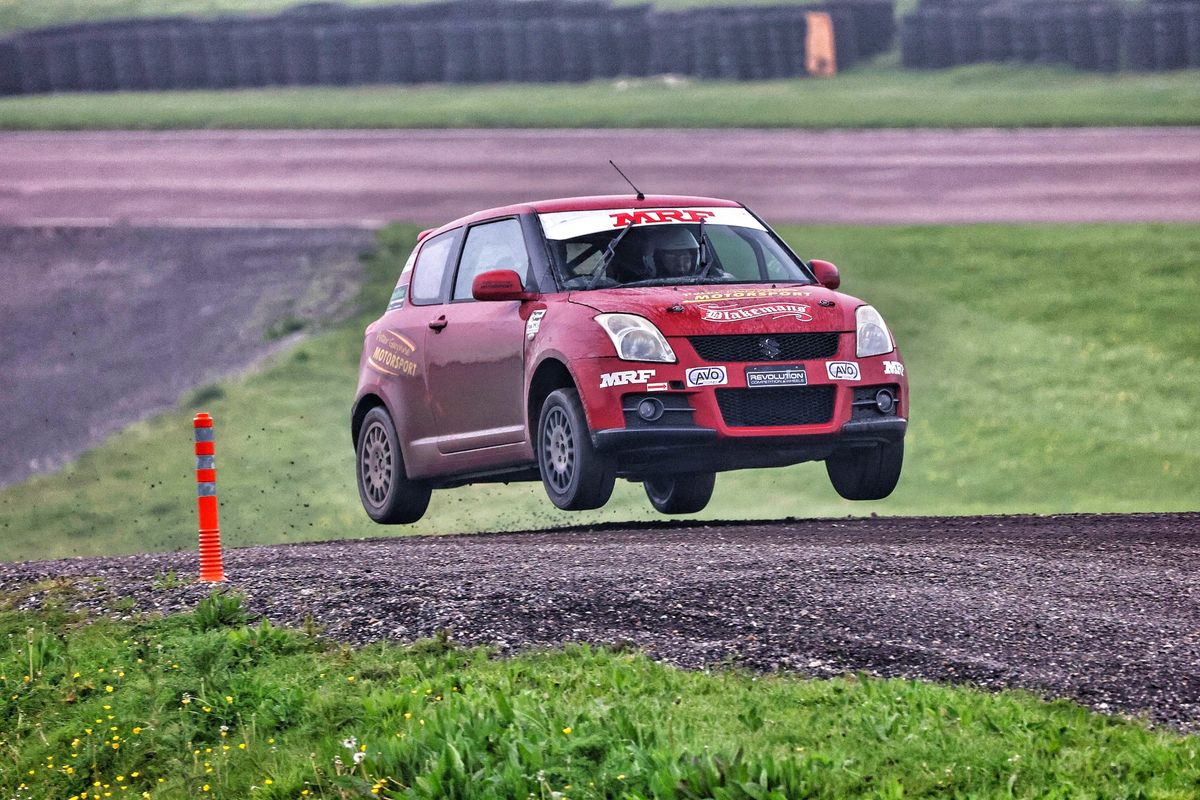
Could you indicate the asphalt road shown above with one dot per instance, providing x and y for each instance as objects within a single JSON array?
[
  {"x": 1102, "y": 609},
  {"x": 365, "y": 178}
]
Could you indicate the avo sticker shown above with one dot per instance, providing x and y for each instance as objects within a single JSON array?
[{"x": 842, "y": 370}]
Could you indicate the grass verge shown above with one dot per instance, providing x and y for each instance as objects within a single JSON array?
[
  {"x": 1051, "y": 371},
  {"x": 989, "y": 95},
  {"x": 205, "y": 705}
]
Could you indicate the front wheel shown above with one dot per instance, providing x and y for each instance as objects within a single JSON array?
[
  {"x": 387, "y": 494},
  {"x": 576, "y": 477},
  {"x": 866, "y": 473},
  {"x": 681, "y": 494}
]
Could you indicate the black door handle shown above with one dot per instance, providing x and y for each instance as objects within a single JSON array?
[{"x": 438, "y": 323}]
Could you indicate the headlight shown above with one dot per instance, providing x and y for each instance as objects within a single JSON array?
[
  {"x": 874, "y": 339},
  {"x": 636, "y": 338}
]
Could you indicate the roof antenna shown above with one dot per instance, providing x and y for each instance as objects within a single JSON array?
[{"x": 640, "y": 196}]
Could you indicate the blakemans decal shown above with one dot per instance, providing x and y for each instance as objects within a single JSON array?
[
  {"x": 625, "y": 377},
  {"x": 392, "y": 354},
  {"x": 624, "y": 218},
  {"x": 534, "y": 323},
  {"x": 791, "y": 375},
  {"x": 744, "y": 294},
  {"x": 893, "y": 368},
  {"x": 842, "y": 370},
  {"x": 707, "y": 376},
  {"x": 727, "y": 313}
]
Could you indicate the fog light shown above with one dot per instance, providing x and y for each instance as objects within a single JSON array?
[
  {"x": 884, "y": 401},
  {"x": 650, "y": 409}
]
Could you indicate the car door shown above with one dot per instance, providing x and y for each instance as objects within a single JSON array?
[
  {"x": 474, "y": 351},
  {"x": 396, "y": 351}
]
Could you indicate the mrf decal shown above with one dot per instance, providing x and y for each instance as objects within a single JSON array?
[{"x": 393, "y": 355}]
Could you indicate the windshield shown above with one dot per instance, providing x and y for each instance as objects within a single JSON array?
[{"x": 603, "y": 249}]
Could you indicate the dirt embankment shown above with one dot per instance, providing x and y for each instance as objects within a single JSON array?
[
  {"x": 104, "y": 326},
  {"x": 1103, "y": 609}
]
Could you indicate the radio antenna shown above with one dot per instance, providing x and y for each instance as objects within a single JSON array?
[{"x": 640, "y": 196}]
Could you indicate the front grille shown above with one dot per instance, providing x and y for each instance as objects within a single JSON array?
[
  {"x": 765, "y": 347},
  {"x": 775, "y": 406}
]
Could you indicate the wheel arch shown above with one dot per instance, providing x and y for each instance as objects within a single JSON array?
[
  {"x": 551, "y": 374},
  {"x": 361, "y": 407}
]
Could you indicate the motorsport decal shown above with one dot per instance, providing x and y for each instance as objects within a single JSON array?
[
  {"x": 534, "y": 323},
  {"x": 707, "y": 376},
  {"x": 570, "y": 224},
  {"x": 842, "y": 370},
  {"x": 393, "y": 354},
  {"x": 893, "y": 368},
  {"x": 740, "y": 313},
  {"x": 744, "y": 294},
  {"x": 791, "y": 375},
  {"x": 625, "y": 377}
]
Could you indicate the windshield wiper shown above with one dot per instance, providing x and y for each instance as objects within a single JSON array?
[{"x": 607, "y": 258}]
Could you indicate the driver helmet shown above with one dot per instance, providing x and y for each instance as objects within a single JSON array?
[{"x": 670, "y": 252}]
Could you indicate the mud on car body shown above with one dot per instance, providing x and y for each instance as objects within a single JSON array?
[{"x": 661, "y": 340}]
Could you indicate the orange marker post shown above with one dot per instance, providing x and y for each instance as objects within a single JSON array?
[{"x": 211, "y": 568}]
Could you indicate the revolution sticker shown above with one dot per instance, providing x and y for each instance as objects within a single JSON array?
[{"x": 790, "y": 375}]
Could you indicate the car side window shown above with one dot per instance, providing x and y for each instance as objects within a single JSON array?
[
  {"x": 430, "y": 268},
  {"x": 493, "y": 245}
]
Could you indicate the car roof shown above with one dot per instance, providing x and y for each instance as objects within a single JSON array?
[{"x": 592, "y": 203}]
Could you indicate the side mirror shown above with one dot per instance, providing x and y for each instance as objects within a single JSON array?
[
  {"x": 827, "y": 273},
  {"x": 498, "y": 284}
]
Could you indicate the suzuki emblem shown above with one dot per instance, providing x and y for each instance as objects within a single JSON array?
[{"x": 770, "y": 348}]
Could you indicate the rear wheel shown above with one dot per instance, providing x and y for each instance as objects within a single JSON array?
[
  {"x": 681, "y": 494},
  {"x": 576, "y": 477},
  {"x": 387, "y": 494},
  {"x": 866, "y": 473}
]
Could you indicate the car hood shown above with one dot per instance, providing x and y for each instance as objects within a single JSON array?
[{"x": 729, "y": 308}]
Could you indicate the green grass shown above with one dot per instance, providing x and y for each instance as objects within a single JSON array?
[
  {"x": 204, "y": 705},
  {"x": 1053, "y": 369},
  {"x": 16, "y": 14},
  {"x": 877, "y": 96}
]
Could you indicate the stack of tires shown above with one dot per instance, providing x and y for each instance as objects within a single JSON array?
[
  {"x": 1099, "y": 35},
  {"x": 454, "y": 41}
]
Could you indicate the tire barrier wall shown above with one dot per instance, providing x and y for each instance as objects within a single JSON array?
[
  {"x": 465, "y": 41},
  {"x": 1098, "y": 35}
]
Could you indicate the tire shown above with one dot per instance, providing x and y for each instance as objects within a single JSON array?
[
  {"x": 576, "y": 477},
  {"x": 866, "y": 473},
  {"x": 387, "y": 495},
  {"x": 681, "y": 494}
]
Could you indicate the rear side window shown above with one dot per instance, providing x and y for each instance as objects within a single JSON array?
[
  {"x": 430, "y": 268},
  {"x": 494, "y": 245}
]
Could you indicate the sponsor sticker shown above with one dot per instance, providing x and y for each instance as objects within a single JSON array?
[
  {"x": 842, "y": 370},
  {"x": 561, "y": 225},
  {"x": 741, "y": 313},
  {"x": 893, "y": 368},
  {"x": 657, "y": 387},
  {"x": 789, "y": 375},
  {"x": 744, "y": 294},
  {"x": 393, "y": 354},
  {"x": 707, "y": 376},
  {"x": 534, "y": 323},
  {"x": 625, "y": 377}
]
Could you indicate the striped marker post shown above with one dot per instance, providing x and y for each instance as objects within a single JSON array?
[{"x": 211, "y": 568}]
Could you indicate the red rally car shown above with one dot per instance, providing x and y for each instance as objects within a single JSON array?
[{"x": 660, "y": 339}]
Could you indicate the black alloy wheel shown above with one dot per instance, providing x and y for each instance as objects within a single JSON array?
[
  {"x": 681, "y": 494},
  {"x": 576, "y": 477},
  {"x": 387, "y": 494}
]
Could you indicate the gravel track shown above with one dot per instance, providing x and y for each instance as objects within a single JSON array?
[{"x": 1104, "y": 609}]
